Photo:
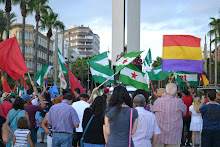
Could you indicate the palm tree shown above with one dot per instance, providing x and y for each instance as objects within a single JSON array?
[
  {"x": 49, "y": 21},
  {"x": 23, "y": 7},
  {"x": 7, "y": 10},
  {"x": 3, "y": 23},
  {"x": 157, "y": 62},
  {"x": 39, "y": 7},
  {"x": 215, "y": 25}
]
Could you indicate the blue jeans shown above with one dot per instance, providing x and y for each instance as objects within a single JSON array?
[
  {"x": 62, "y": 140},
  {"x": 93, "y": 145}
]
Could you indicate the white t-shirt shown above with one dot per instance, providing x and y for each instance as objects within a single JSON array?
[
  {"x": 21, "y": 137},
  {"x": 80, "y": 107}
]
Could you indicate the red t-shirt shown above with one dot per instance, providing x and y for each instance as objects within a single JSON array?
[
  {"x": 206, "y": 100},
  {"x": 5, "y": 107},
  {"x": 188, "y": 102}
]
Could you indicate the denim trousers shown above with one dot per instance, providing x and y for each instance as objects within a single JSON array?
[
  {"x": 93, "y": 145},
  {"x": 62, "y": 140}
]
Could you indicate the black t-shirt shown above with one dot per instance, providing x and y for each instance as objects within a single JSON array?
[
  {"x": 2, "y": 121},
  {"x": 94, "y": 133}
]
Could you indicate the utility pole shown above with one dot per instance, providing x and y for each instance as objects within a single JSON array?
[
  {"x": 216, "y": 58},
  {"x": 210, "y": 59},
  {"x": 56, "y": 57},
  {"x": 63, "y": 45},
  {"x": 205, "y": 56}
]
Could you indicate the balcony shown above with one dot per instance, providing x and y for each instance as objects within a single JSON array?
[
  {"x": 81, "y": 40},
  {"x": 82, "y": 46},
  {"x": 41, "y": 60}
]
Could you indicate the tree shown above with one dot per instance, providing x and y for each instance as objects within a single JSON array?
[
  {"x": 39, "y": 7},
  {"x": 3, "y": 23},
  {"x": 215, "y": 25},
  {"x": 157, "y": 62},
  {"x": 49, "y": 21},
  {"x": 23, "y": 7}
]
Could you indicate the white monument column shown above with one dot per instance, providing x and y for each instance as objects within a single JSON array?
[
  {"x": 133, "y": 25},
  {"x": 118, "y": 37}
]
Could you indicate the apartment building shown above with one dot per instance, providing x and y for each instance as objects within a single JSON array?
[
  {"x": 29, "y": 47},
  {"x": 82, "y": 41}
]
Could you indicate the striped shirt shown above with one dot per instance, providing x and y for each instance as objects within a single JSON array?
[
  {"x": 21, "y": 137},
  {"x": 146, "y": 128},
  {"x": 169, "y": 112}
]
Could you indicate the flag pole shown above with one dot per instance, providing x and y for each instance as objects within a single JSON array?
[
  {"x": 107, "y": 79},
  {"x": 29, "y": 76},
  {"x": 152, "y": 85},
  {"x": 161, "y": 85},
  {"x": 173, "y": 77}
]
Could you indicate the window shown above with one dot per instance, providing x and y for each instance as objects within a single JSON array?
[
  {"x": 89, "y": 37},
  {"x": 30, "y": 35},
  {"x": 30, "y": 50},
  {"x": 20, "y": 35},
  {"x": 26, "y": 35},
  {"x": 26, "y": 50}
]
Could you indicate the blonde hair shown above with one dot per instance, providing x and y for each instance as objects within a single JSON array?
[
  {"x": 197, "y": 102},
  {"x": 56, "y": 100}
]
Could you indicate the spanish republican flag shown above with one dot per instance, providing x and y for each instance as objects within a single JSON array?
[
  {"x": 5, "y": 85},
  {"x": 11, "y": 59},
  {"x": 182, "y": 53},
  {"x": 204, "y": 78}
]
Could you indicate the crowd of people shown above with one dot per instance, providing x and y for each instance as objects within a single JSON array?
[{"x": 113, "y": 119}]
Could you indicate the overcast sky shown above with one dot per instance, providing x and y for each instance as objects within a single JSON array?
[{"x": 158, "y": 18}]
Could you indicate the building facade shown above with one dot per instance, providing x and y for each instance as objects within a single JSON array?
[
  {"x": 30, "y": 47},
  {"x": 82, "y": 41},
  {"x": 218, "y": 53}
]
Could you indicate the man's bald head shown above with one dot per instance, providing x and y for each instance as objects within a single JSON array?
[{"x": 171, "y": 89}]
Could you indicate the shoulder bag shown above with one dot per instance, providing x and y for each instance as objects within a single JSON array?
[
  {"x": 131, "y": 115},
  {"x": 84, "y": 132}
]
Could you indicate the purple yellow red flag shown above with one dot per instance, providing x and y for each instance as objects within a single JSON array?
[
  {"x": 5, "y": 85},
  {"x": 182, "y": 53},
  {"x": 204, "y": 78}
]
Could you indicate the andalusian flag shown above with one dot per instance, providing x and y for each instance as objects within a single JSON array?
[
  {"x": 101, "y": 59},
  {"x": 63, "y": 83},
  {"x": 99, "y": 67},
  {"x": 131, "y": 75},
  {"x": 126, "y": 59},
  {"x": 157, "y": 73},
  {"x": 182, "y": 53},
  {"x": 40, "y": 75},
  {"x": 183, "y": 77},
  {"x": 62, "y": 63},
  {"x": 148, "y": 59}
]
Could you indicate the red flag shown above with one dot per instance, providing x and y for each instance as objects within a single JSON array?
[
  {"x": 5, "y": 85},
  {"x": 14, "y": 88},
  {"x": 12, "y": 61},
  {"x": 74, "y": 82},
  {"x": 23, "y": 83}
]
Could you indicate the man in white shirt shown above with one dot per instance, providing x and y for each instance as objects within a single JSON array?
[
  {"x": 80, "y": 106},
  {"x": 147, "y": 128}
]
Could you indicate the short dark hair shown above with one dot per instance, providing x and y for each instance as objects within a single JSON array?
[
  {"x": 47, "y": 96},
  {"x": 143, "y": 92},
  {"x": 23, "y": 123},
  {"x": 84, "y": 95},
  {"x": 186, "y": 92},
  {"x": 64, "y": 91},
  {"x": 179, "y": 94},
  {"x": 212, "y": 95},
  {"x": 77, "y": 90},
  {"x": 18, "y": 104},
  {"x": 68, "y": 96},
  {"x": 29, "y": 91}
]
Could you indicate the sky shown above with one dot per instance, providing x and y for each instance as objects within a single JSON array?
[{"x": 158, "y": 18}]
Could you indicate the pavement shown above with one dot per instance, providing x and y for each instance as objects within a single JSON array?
[{"x": 39, "y": 140}]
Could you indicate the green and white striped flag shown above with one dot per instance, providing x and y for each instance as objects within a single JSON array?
[
  {"x": 131, "y": 75},
  {"x": 148, "y": 59},
  {"x": 217, "y": 90},
  {"x": 101, "y": 59},
  {"x": 156, "y": 74},
  {"x": 21, "y": 91},
  {"x": 182, "y": 77},
  {"x": 62, "y": 62},
  {"x": 126, "y": 59},
  {"x": 40, "y": 75},
  {"x": 100, "y": 72}
]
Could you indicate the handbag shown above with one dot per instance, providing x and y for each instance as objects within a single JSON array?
[
  {"x": 81, "y": 140},
  {"x": 131, "y": 115}
]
